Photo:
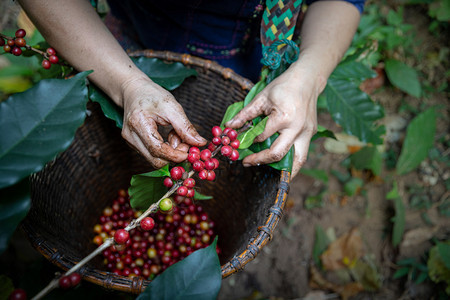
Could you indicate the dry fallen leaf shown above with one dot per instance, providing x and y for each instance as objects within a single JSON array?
[
  {"x": 345, "y": 291},
  {"x": 417, "y": 236},
  {"x": 344, "y": 252}
]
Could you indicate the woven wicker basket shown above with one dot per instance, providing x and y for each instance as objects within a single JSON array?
[{"x": 69, "y": 194}]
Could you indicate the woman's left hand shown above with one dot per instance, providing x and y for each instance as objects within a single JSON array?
[{"x": 289, "y": 101}]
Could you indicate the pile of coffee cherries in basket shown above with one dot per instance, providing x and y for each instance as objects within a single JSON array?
[{"x": 162, "y": 239}]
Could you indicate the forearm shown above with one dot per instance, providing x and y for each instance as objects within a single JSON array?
[
  {"x": 326, "y": 33},
  {"x": 74, "y": 29}
]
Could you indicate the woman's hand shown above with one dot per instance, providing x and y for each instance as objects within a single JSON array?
[
  {"x": 290, "y": 103},
  {"x": 147, "y": 106}
]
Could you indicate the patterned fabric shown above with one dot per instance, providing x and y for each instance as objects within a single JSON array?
[{"x": 279, "y": 20}]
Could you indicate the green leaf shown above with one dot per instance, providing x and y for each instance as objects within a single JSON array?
[
  {"x": 419, "y": 140},
  {"x": 196, "y": 277},
  {"x": 243, "y": 153},
  {"x": 354, "y": 110},
  {"x": 437, "y": 269},
  {"x": 38, "y": 124},
  {"x": 258, "y": 87},
  {"x": 14, "y": 205},
  {"x": 367, "y": 158},
  {"x": 232, "y": 110},
  {"x": 168, "y": 75},
  {"x": 198, "y": 196},
  {"x": 399, "y": 218},
  {"x": 403, "y": 77},
  {"x": 147, "y": 188},
  {"x": 314, "y": 201},
  {"x": 401, "y": 272},
  {"x": 323, "y": 132},
  {"x": 286, "y": 162},
  {"x": 109, "y": 108},
  {"x": 444, "y": 252},
  {"x": 247, "y": 137},
  {"x": 353, "y": 70},
  {"x": 14, "y": 84},
  {"x": 353, "y": 186},
  {"x": 320, "y": 244},
  {"x": 316, "y": 173},
  {"x": 6, "y": 286}
]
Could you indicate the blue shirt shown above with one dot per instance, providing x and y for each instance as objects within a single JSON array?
[{"x": 223, "y": 31}]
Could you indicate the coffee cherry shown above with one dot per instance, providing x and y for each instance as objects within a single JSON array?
[
  {"x": 232, "y": 134},
  {"x": 7, "y": 48},
  {"x": 235, "y": 144},
  {"x": 211, "y": 147},
  {"x": 20, "y": 42},
  {"x": 121, "y": 236},
  {"x": 203, "y": 174},
  {"x": 75, "y": 279},
  {"x": 198, "y": 166},
  {"x": 205, "y": 154},
  {"x": 190, "y": 193},
  {"x": 226, "y": 151},
  {"x": 216, "y": 131},
  {"x": 2, "y": 42},
  {"x": 147, "y": 223},
  {"x": 51, "y": 51},
  {"x": 166, "y": 205},
  {"x": 182, "y": 190},
  {"x": 226, "y": 130},
  {"x": 216, "y": 164},
  {"x": 193, "y": 157},
  {"x": 189, "y": 182},
  {"x": 46, "y": 64},
  {"x": 234, "y": 155},
  {"x": 226, "y": 140},
  {"x": 18, "y": 294},
  {"x": 194, "y": 150},
  {"x": 211, "y": 176},
  {"x": 216, "y": 140},
  {"x": 16, "y": 51},
  {"x": 20, "y": 33},
  {"x": 209, "y": 164},
  {"x": 10, "y": 43},
  {"x": 176, "y": 173},
  {"x": 53, "y": 59},
  {"x": 168, "y": 182},
  {"x": 65, "y": 282}
]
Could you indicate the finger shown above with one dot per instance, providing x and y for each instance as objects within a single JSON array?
[
  {"x": 134, "y": 140},
  {"x": 173, "y": 139},
  {"x": 183, "y": 147},
  {"x": 272, "y": 126},
  {"x": 185, "y": 130},
  {"x": 249, "y": 112},
  {"x": 301, "y": 149},
  {"x": 275, "y": 153},
  {"x": 147, "y": 133}
]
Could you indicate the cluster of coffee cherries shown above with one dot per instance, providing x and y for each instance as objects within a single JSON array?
[
  {"x": 176, "y": 230},
  {"x": 15, "y": 45}
]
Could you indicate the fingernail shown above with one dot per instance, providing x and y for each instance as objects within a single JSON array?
[{"x": 246, "y": 165}]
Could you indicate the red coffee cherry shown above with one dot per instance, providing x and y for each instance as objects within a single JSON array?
[
  {"x": 75, "y": 279},
  {"x": 176, "y": 173},
  {"x": 7, "y": 48},
  {"x": 193, "y": 157},
  {"x": 211, "y": 147},
  {"x": 53, "y": 59},
  {"x": 226, "y": 130},
  {"x": 205, "y": 154},
  {"x": 226, "y": 151},
  {"x": 232, "y": 134},
  {"x": 194, "y": 150},
  {"x": 168, "y": 182},
  {"x": 203, "y": 174},
  {"x": 182, "y": 190},
  {"x": 20, "y": 42},
  {"x": 210, "y": 165},
  {"x": 216, "y": 162},
  {"x": 65, "y": 282},
  {"x": 234, "y": 155},
  {"x": 190, "y": 193},
  {"x": 216, "y": 140},
  {"x": 189, "y": 182},
  {"x": 16, "y": 51},
  {"x": 121, "y": 236},
  {"x": 211, "y": 175},
  {"x": 235, "y": 144},
  {"x": 46, "y": 64},
  {"x": 2, "y": 42},
  {"x": 51, "y": 51},
  {"x": 147, "y": 223},
  {"x": 10, "y": 43},
  {"x": 18, "y": 294},
  {"x": 20, "y": 33},
  {"x": 216, "y": 131},
  {"x": 198, "y": 166}
]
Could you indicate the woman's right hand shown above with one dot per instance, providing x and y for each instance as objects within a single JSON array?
[{"x": 147, "y": 106}]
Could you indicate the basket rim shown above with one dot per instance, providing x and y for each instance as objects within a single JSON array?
[{"x": 137, "y": 284}]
